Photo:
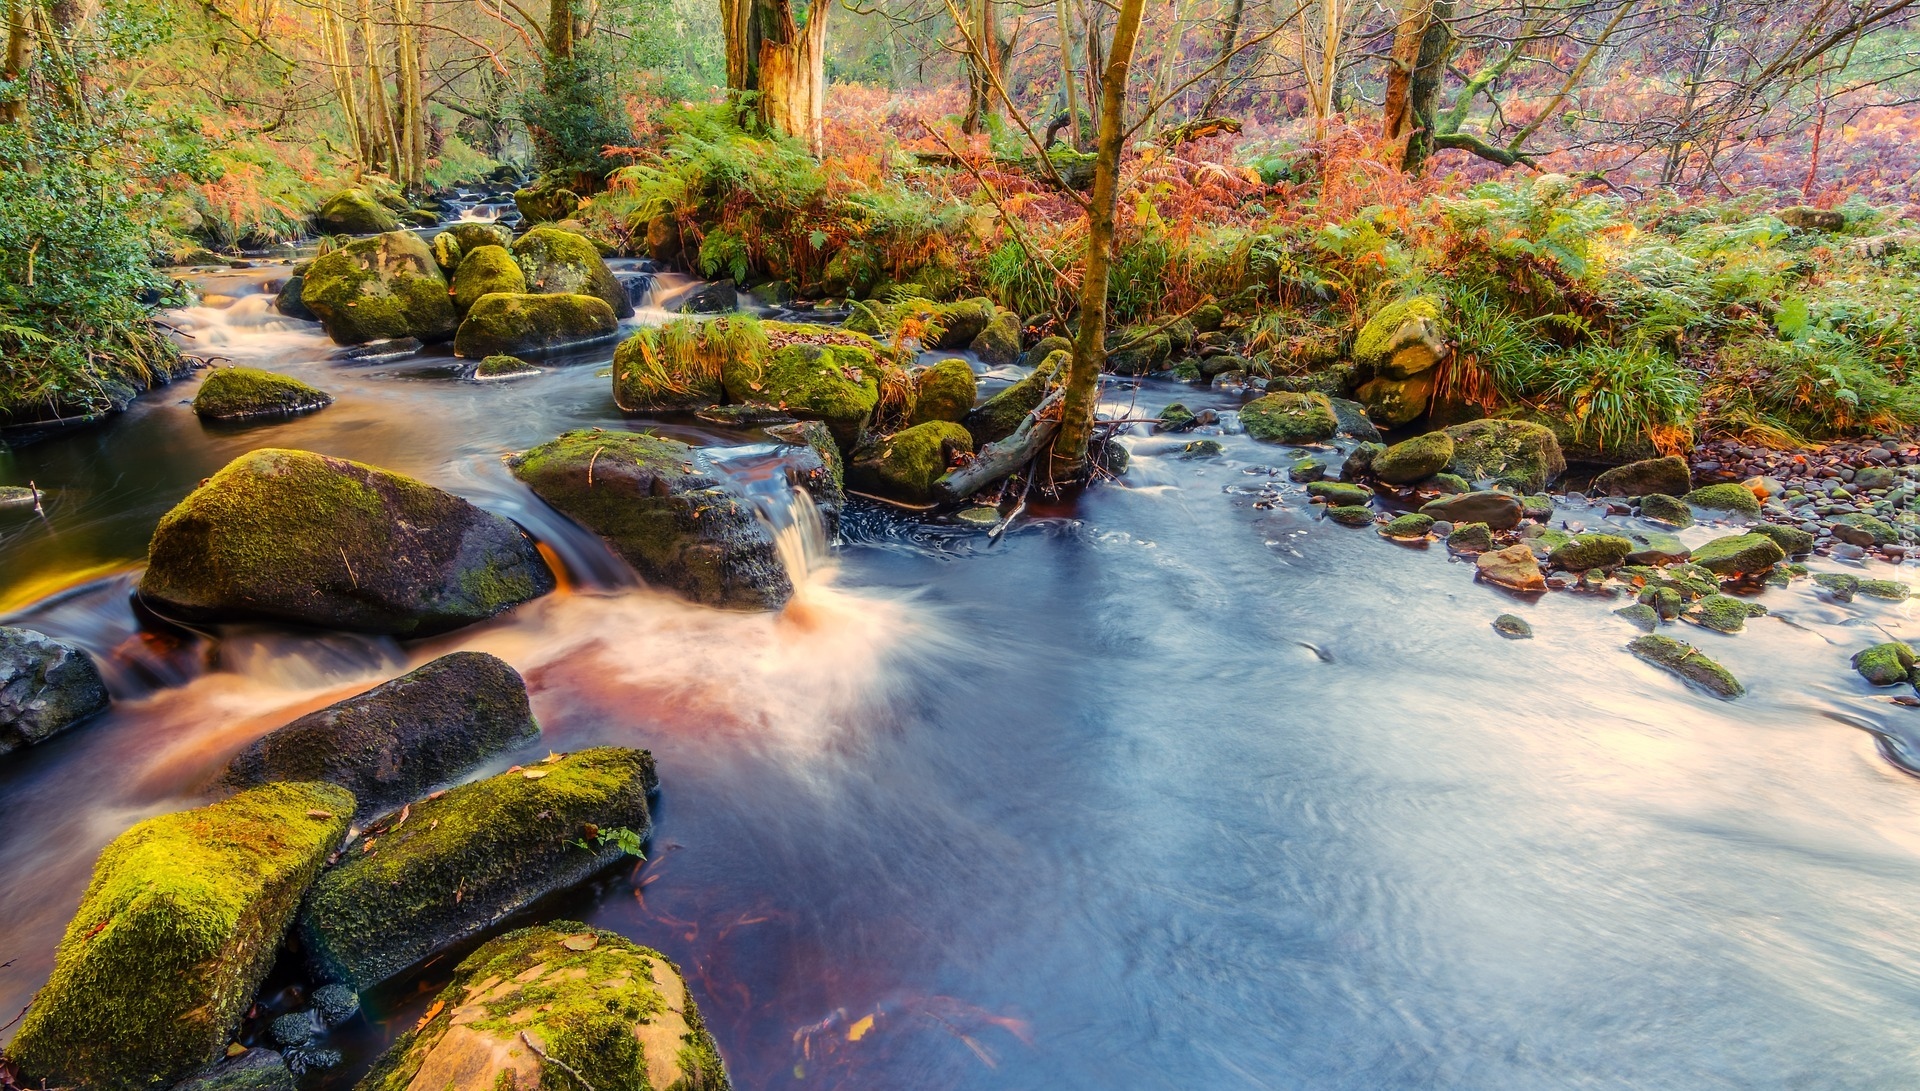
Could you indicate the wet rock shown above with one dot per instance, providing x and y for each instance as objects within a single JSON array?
[
  {"x": 615, "y": 1014},
  {"x": 1470, "y": 538},
  {"x": 354, "y": 212},
  {"x": 1890, "y": 590},
  {"x": 1681, "y": 658},
  {"x": 1537, "y": 507},
  {"x": 1201, "y": 448},
  {"x": 251, "y": 1070},
  {"x": 1289, "y": 418},
  {"x": 1350, "y": 515},
  {"x": 1792, "y": 541},
  {"x": 719, "y": 297},
  {"x": 1498, "y": 510},
  {"x": 1513, "y": 627},
  {"x": 999, "y": 344},
  {"x": 1307, "y": 470},
  {"x": 823, "y": 475},
  {"x": 1886, "y": 664},
  {"x": 234, "y": 394},
  {"x": 46, "y": 687},
  {"x": 999, "y": 416},
  {"x": 378, "y": 289},
  {"x": 1449, "y": 484},
  {"x": 464, "y": 860},
  {"x": 486, "y": 270},
  {"x": 291, "y": 536},
  {"x": 1589, "y": 551},
  {"x": 905, "y": 465},
  {"x": 944, "y": 391},
  {"x": 503, "y": 366},
  {"x": 1513, "y": 568},
  {"x": 1340, "y": 493},
  {"x": 446, "y": 251},
  {"x": 1514, "y": 454},
  {"x": 1667, "y": 509},
  {"x": 1408, "y": 527},
  {"x": 1668, "y": 476},
  {"x": 1739, "y": 555},
  {"x": 1656, "y": 548},
  {"x": 1726, "y": 497},
  {"x": 505, "y": 324},
  {"x": 1402, "y": 339},
  {"x": 1135, "y": 351},
  {"x": 1875, "y": 477},
  {"x": 1861, "y": 529},
  {"x": 1643, "y": 617},
  {"x": 1394, "y": 402},
  {"x": 1350, "y": 420},
  {"x": 559, "y": 262},
  {"x": 1041, "y": 350},
  {"x": 472, "y": 235},
  {"x": 1724, "y": 613},
  {"x": 835, "y": 383},
  {"x": 1176, "y": 417},
  {"x": 401, "y": 739},
  {"x": 1414, "y": 460},
  {"x": 174, "y": 935},
  {"x": 544, "y": 204},
  {"x": 288, "y": 301}
]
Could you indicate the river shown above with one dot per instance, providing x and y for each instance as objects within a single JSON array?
[{"x": 1165, "y": 791}]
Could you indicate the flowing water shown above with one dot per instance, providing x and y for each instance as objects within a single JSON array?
[{"x": 1168, "y": 791}]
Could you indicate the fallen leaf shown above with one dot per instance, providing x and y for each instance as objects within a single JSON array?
[
  {"x": 534, "y": 774},
  {"x": 438, "y": 1005},
  {"x": 586, "y": 941},
  {"x": 319, "y": 814},
  {"x": 552, "y": 757},
  {"x": 860, "y": 1028},
  {"x": 235, "y": 1049}
]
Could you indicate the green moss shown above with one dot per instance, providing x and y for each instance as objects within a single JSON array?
[
  {"x": 999, "y": 416},
  {"x": 1891, "y": 590},
  {"x": 1792, "y": 540},
  {"x": 1470, "y": 538},
  {"x": 446, "y": 252},
  {"x": 1351, "y": 515},
  {"x": 1840, "y": 586},
  {"x": 1728, "y": 497},
  {"x": 1589, "y": 551},
  {"x": 838, "y": 384},
  {"x": 1668, "y": 475},
  {"x": 559, "y": 262},
  {"x": 485, "y": 270},
  {"x": 354, "y": 212},
  {"x": 1340, "y": 492},
  {"x": 1303, "y": 471},
  {"x": 1513, "y": 627},
  {"x": 905, "y": 465},
  {"x": 1869, "y": 529},
  {"x": 1642, "y": 616},
  {"x": 503, "y": 367},
  {"x": 173, "y": 937},
  {"x": 1666, "y": 509},
  {"x": 1450, "y": 484},
  {"x": 505, "y": 324},
  {"x": 1512, "y": 454},
  {"x": 244, "y": 393},
  {"x": 1724, "y": 613},
  {"x": 1414, "y": 460},
  {"x": 1409, "y": 526},
  {"x": 1686, "y": 661},
  {"x": 999, "y": 344},
  {"x": 472, "y": 235},
  {"x": 464, "y": 860},
  {"x": 616, "y": 1013},
  {"x": 1289, "y": 418},
  {"x": 1737, "y": 555},
  {"x": 1886, "y": 664},
  {"x": 375, "y": 289},
  {"x": 1381, "y": 335},
  {"x": 944, "y": 391}
]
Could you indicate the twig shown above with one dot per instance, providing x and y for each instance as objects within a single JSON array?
[
  {"x": 548, "y": 1058},
  {"x": 15, "y": 1019},
  {"x": 590, "y": 462},
  {"x": 349, "y": 564},
  {"x": 1025, "y": 484}
]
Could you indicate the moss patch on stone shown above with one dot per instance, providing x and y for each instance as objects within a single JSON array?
[
  {"x": 943, "y": 391},
  {"x": 1340, "y": 492},
  {"x": 1724, "y": 613},
  {"x": 905, "y": 465},
  {"x": 483, "y": 271},
  {"x": 1289, "y": 418},
  {"x": 472, "y": 235},
  {"x": 354, "y": 212},
  {"x": 999, "y": 416},
  {"x": 1392, "y": 327},
  {"x": 504, "y": 324},
  {"x": 835, "y": 383},
  {"x": 999, "y": 344},
  {"x": 1415, "y": 459},
  {"x": 246, "y": 393},
  {"x": 1666, "y": 509},
  {"x": 559, "y": 262},
  {"x": 1683, "y": 659},
  {"x": 1351, "y": 515},
  {"x": 1408, "y": 527},
  {"x": 380, "y": 288},
  {"x": 1890, "y": 590},
  {"x": 502, "y": 366},
  {"x": 1728, "y": 497},
  {"x": 177, "y": 929},
  {"x": 1588, "y": 551},
  {"x": 1736, "y": 555},
  {"x": 1886, "y": 664},
  {"x": 1514, "y": 454}
]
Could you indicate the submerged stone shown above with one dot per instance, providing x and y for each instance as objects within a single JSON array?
[
  {"x": 1728, "y": 497},
  {"x": 1886, "y": 664},
  {"x": 246, "y": 393},
  {"x": 1683, "y": 659},
  {"x": 1513, "y": 627},
  {"x": 46, "y": 687},
  {"x": 1513, "y": 568},
  {"x": 1840, "y": 586},
  {"x": 174, "y": 935},
  {"x": 291, "y": 536},
  {"x": 1657, "y": 548},
  {"x": 1891, "y": 590}
]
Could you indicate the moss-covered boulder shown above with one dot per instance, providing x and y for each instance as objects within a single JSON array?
[
  {"x": 503, "y": 366},
  {"x": 291, "y": 536},
  {"x": 485, "y": 270},
  {"x": 559, "y": 262},
  {"x": 446, "y": 251},
  {"x": 943, "y": 391},
  {"x": 1340, "y": 492},
  {"x": 380, "y": 288},
  {"x": 1888, "y": 590},
  {"x": 354, "y": 212},
  {"x": 835, "y": 383},
  {"x": 1289, "y": 418},
  {"x": 999, "y": 344},
  {"x": 1513, "y": 627},
  {"x": 467, "y": 858},
  {"x": 961, "y": 322},
  {"x": 1414, "y": 460},
  {"x": 678, "y": 525},
  {"x": 1734, "y": 556},
  {"x": 678, "y": 367},
  {"x": 1861, "y": 529},
  {"x": 1792, "y": 540},
  {"x": 1402, "y": 339},
  {"x": 1350, "y": 515},
  {"x": 1838, "y": 586},
  {"x": 1470, "y": 538},
  {"x": 823, "y": 475},
  {"x": 401, "y": 739},
  {"x": 1658, "y": 548},
  {"x": 1729, "y": 497},
  {"x": 1409, "y": 527},
  {"x": 1498, "y": 510},
  {"x": 174, "y": 935},
  {"x": 287, "y": 300},
  {"x": 999, "y": 416},
  {"x": 1138, "y": 351},
  {"x": 1589, "y": 551},
  {"x": 1514, "y": 454},
  {"x": 1723, "y": 613},
  {"x": 471, "y": 235},
  {"x": 1668, "y": 475},
  {"x": 905, "y": 465},
  {"x": 1683, "y": 659},
  {"x": 1394, "y": 402},
  {"x": 559, "y": 1005},
  {"x": 1514, "y": 568},
  {"x": 46, "y": 687},
  {"x": 1886, "y": 664},
  {"x": 247, "y": 393},
  {"x": 1667, "y": 509},
  {"x": 544, "y": 203},
  {"x": 1044, "y": 348},
  {"x": 505, "y": 324}
]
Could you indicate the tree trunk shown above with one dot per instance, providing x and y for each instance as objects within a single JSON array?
[
  {"x": 793, "y": 76},
  {"x": 1069, "y": 459},
  {"x": 1067, "y": 76},
  {"x": 408, "y": 86},
  {"x": 379, "y": 115},
  {"x": 1421, "y": 46},
  {"x": 983, "y": 41},
  {"x": 560, "y": 30},
  {"x": 19, "y": 57}
]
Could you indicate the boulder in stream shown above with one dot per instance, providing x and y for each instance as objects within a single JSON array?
[
  {"x": 944, "y": 390},
  {"x": 1415, "y": 459},
  {"x": 1887, "y": 664},
  {"x": 504, "y": 324},
  {"x": 999, "y": 344},
  {"x": 559, "y": 262},
  {"x": 483, "y": 271},
  {"x": 1290, "y": 418},
  {"x": 838, "y": 383},
  {"x": 1589, "y": 551},
  {"x": 462, "y": 860},
  {"x": 174, "y": 935},
  {"x": 46, "y": 687},
  {"x": 378, "y": 289},
  {"x": 1727, "y": 497},
  {"x": 354, "y": 212},
  {"x": 999, "y": 416},
  {"x": 474, "y": 234},
  {"x": 1683, "y": 659},
  {"x": 1735, "y": 556},
  {"x": 1513, "y": 568},
  {"x": 1666, "y": 509},
  {"x": 233, "y": 394},
  {"x": 1498, "y": 510},
  {"x": 680, "y": 527},
  {"x": 1513, "y": 454},
  {"x": 905, "y": 465},
  {"x": 1669, "y": 475},
  {"x": 291, "y": 536},
  {"x": 603, "y": 1010},
  {"x": 401, "y": 739}
]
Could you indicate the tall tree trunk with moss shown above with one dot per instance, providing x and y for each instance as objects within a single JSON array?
[
  {"x": 1067, "y": 77},
  {"x": 408, "y": 87},
  {"x": 1069, "y": 457},
  {"x": 19, "y": 58},
  {"x": 983, "y": 63},
  {"x": 782, "y": 63},
  {"x": 1422, "y": 43}
]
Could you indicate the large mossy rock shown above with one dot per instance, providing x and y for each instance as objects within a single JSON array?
[
  {"x": 944, "y": 390},
  {"x": 1514, "y": 454},
  {"x": 678, "y": 367},
  {"x": 354, "y": 212},
  {"x": 559, "y": 262},
  {"x": 1730, "y": 497},
  {"x": 234, "y": 394},
  {"x": 1415, "y": 459},
  {"x": 463, "y": 860},
  {"x": 1666, "y": 476},
  {"x": 1402, "y": 339},
  {"x": 961, "y": 322},
  {"x": 677, "y": 525},
  {"x": 1394, "y": 402},
  {"x": 616, "y": 1015},
  {"x": 46, "y": 686},
  {"x": 378, "y": 289},
  {"x": 999, "y": 416},
  {"x": 401, "y": 739},
  {"x": 1736, "y": 556},
  {"x": 999, "y": 344},
  {"x": 1290, "y": 418},
  {"x": 1588, "y": 551},
  {"x": 835, "y": 383},
  {"x": 291, "y": 536},
  {"x": 544, "y": 202},
  {"x": 471, "y": 235},
  {"x": 174, "y": 935},
  {"x": 483, "y": 271},
  {"x": 905, "y": 465},
  {"x": 504, "y": 324}
]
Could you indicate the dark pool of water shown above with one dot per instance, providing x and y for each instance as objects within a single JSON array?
[{"x": 1165, "y": 792}]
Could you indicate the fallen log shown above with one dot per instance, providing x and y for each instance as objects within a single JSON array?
[
  {"x": 1003, "y": 458},
  {"x": 1199, "y": 127}
]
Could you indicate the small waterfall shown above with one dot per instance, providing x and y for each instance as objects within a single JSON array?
[{"x": 799, "y": 533}]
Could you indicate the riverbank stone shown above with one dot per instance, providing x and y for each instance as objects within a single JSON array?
[
  {"x": 1590, "y": 551},
  {"x": 943, "y": 391},
  {"x": 1860, "y": 529},
  {"x": 505, "y": 324},
  {"x": 1735, "y": 556},
  {"x": 1513, "y": 568},
  {"x": 1683, "y": 659},
  {"x": 1668, "y": 475},
  {"x": 557, "y": 262},
  {"x": 1290, "y": 418},
  {"x": 835, "y": 383},
  {"x": 1402, "y": 339},
  {"x": 403, "y": 738},
  {"x": 1792, "y": 541},
  {"x": 354, "y": 212},
  {"x": 380, "y": 289},
  {"x": 614, "y": 1014},
  {"x": 296, "y": 537},
  {"x": 1498, "y": 510},
  {"x": 1726, "y": 497},
  {"x": 679, "y": 526},
  {"x": 174, "y": 935},
  {"x": 1887, "y": 664},
  {"x": 465, "y": 859},
  {"x": 1001, "y": 415},
  {"x": 232, "y": 394},
  {"x": 998, "y": 345},
  {"x": 1409, "y": 527},
  {"x": 905, "y": 465},
  {"x": 1513, "y": 454},
  {"x": 1415, "y": 459},
  {"x": 46, "y": 687},
  {"x": 1340, "y": 492},
  {"x": 1470, "y": 538},
  {"x": 1666, "y": 509}
]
